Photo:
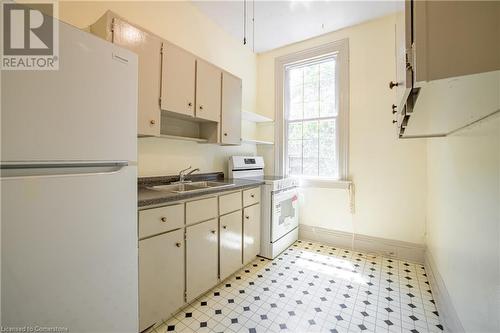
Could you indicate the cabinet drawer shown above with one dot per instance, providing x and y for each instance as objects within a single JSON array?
[
  {"x": 251, "y": 196},
  {"x": 157, "y": 220},
  {"x": 229, "y": 202},
  {"x": 201, "y": 210}
]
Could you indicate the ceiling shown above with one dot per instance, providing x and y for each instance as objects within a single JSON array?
[{"x": 279, "y": 23}]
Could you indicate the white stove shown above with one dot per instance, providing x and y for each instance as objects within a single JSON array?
[
  {"x": 279, "y": 204},
  {"x": 253, "y": 168}
]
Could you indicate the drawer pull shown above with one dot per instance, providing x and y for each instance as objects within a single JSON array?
[
  {"x": 252, "y": 195},
  {"x": 247, "y": 217},
  {"x": 163, "y": 219},
  {"x": 178, "y": 244},
  {"x": 224, "y": 227},
  {"x": 213, "y": 231}
]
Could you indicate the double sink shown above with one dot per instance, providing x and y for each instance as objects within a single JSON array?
[{"x": 190, "y": 186}]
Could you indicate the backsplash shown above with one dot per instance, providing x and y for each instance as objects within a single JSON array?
[{"x": 159, "y": 157}]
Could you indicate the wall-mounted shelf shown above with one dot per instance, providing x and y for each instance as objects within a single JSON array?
[
  {"x": 255, "y": 117},
  {"x": 257, "y": 142},
  {"x": 184, "y": 138}
]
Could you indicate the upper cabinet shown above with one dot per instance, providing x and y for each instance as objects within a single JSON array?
[
  {"x": 148, "y": 48},
  {"x": 180, "y": 95},
  {"x": 447, "y": 66},
  {"x": 208, "y": 91},
  {"x": 231, "y": 109},
  {"x": 177, "y": 80},
  {"x": 189, "y": 86}
]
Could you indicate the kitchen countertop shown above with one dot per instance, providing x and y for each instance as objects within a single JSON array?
[{"x": 149, "y": 197}]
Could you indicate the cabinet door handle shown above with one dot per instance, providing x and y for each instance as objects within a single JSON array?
[
  {"x": 163, "y": 219},
  {"x": 213, "y": 231},
  {"x": 225, "y": 134},
  {"x": 201, "y": 107},
  {"x": 152, "y": 122},
  {"x": 394, "y": 121},
  {"x": 393, "y": 84},
  {"x": 252, "y": 195},
  {"x": 178, "y": 244},
  {"x": 394, "y": 109},
  {"x": 247, "y": 217},
  {"x": 224, "y": 227},
  {"x": 190, "y": 104}
]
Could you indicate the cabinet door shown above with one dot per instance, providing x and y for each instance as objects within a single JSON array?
[
  {"x": 161, "y": 277},
  {"x": 208, "y": 91},
  {"x": 230, "y": 245},
  {"x": 251, "y": 233},
  {"x": 148, "y": 48},
  {"x": 403, "y": 67},
  {"x": 201, "y": 258},
  {"x": 177, "y": 80},
  {"x": 231, "y": 109}
]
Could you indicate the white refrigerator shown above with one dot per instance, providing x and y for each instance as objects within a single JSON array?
[{"x": 69, "y": 190}]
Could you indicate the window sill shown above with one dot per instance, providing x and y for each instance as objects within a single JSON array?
[{"x": 324, "y": 183}]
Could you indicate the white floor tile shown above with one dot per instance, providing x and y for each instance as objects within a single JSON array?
[{"x": 312, "y": 287}]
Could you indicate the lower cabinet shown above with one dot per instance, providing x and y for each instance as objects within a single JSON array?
[
  {"x": 201, "y": 258},
  {"x": 230, "y": 244},
  {"x": 251, "y": 233},
  {"x": 161, "y": 277},
  {"x": 178, "y": 266}
]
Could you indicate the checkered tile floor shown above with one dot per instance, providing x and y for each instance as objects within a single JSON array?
[{"x": 315, "y": 288}]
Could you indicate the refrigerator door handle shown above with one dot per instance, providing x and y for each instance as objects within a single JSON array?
[{"x": 55, "y": 169}]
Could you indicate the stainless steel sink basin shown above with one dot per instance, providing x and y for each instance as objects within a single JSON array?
[{"x": 189, "y": 187}]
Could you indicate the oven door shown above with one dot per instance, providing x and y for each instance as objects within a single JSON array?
[{"x": 285, "y": 213}]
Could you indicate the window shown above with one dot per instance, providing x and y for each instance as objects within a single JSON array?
[
  {"x": 311, "y": 119},
  {"x": 312, "y": 135}
]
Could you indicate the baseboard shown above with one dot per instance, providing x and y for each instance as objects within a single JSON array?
[
  {"x": 380, "y": 246},
  {"x": 447, "y": 313}
]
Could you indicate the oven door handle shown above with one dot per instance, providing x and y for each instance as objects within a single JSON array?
[{"x": 286, "y": 194}]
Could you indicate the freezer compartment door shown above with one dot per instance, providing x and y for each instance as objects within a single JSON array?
[
  {"x": 86, "y": 110},
  {"x": 69, "y": 250}
]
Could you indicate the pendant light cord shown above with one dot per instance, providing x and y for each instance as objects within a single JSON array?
[
  {"x": 244, "y": 22},
  {"x": 253, "y": 26}
]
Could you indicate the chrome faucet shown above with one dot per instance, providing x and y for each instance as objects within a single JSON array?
[{"x": 183, "y": 174}]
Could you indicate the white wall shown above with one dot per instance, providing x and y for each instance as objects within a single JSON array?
[
  {"x": 183, "y": 24},
  {"x": 389, "y": 174},
  {"x": 463, "y": 228}
]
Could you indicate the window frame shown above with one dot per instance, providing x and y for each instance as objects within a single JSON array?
[{"x": 340, "y": 50}]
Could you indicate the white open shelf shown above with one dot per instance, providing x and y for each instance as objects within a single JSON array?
[
  {"x": 255, "y": 117},
  {"x": 257, "y": 142},
  {"x": 184, "y": 138}
]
